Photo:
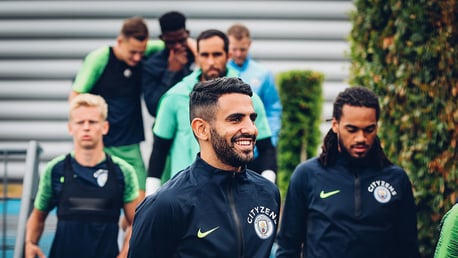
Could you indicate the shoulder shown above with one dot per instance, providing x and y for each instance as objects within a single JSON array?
[
  {"x": 156, "y": 58},
  {"x": 122, "y": 164},
  {"x": 55, "y": 163},
  {"x": 262, "y": 182},
  {"x": 184, "y": 87},
  {"x": 176, "y": 193},
  {"x": 99, "y": 52},
  {"x": 154, "y": 46},
  {"x": 396, "y": 171},
  {"x": 308, "y": 167},
  {"x": 231, "y": 72}
]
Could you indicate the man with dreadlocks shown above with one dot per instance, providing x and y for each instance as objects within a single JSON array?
[{"x": 351, "y": 201}]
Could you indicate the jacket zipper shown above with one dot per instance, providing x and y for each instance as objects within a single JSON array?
[
  {"x": 240, "y": 241},
  {"x": 357, "y": 194}
]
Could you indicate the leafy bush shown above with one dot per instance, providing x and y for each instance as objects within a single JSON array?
[
  {"x": 301, "y": 97},
  {"x": 406, "y": 51}
]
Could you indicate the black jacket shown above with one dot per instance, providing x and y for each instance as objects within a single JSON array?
[
  {"x": 348, "y": 210},
  {"x": 207, "y": 212}
]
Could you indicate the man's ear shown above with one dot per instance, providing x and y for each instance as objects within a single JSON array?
[
  {"x": 201, "y": 129},
  {"x": 106, "y": 127},
  {"x": 335, "y": 125},
  {"x": 119, "y": 40}
]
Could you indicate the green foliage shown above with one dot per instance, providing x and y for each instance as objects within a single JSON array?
[
  {"x": 301, "y": 97},
  {"x": 406, "y": 51}
]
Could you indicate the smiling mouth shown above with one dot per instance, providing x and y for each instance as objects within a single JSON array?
[{"x": 244, "y": 142}]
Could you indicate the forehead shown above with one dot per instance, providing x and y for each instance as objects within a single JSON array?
[
  {"x": 358, "y": 116},
  {"x": 175, "y": 34},
  {"x": 239, "y": 42},
  {"x": 212, "y": 44},
  {"x": 134, "y": 44},
  {"x": 85, "y": 112},
  {"x": 233, "y": 103}
]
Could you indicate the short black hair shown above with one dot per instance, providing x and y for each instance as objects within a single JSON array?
[
  {"x": 357, "y": 97},
  {"x": 206, "y": 34},
  {"x": 172, "y": 21},
  {"x": 204, "y": 96}
]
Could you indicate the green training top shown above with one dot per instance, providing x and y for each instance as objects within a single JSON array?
[{"x": 447, "y": 246}]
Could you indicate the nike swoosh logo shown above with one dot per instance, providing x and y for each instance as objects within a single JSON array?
[
  {"x": 324, "y": 195},
  {"x": 201, "y": 234}
]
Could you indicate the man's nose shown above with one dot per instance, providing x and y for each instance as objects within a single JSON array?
[
  {"x": 86, "y": 125},
  {"x": 249, "y": 127},
  {"x": 360, "y": 136}
]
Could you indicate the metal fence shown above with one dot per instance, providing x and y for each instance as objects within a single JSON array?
[{"x": 30, "y": 157}]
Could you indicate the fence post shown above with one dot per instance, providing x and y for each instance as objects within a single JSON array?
[{"x": 29, "y": 189}]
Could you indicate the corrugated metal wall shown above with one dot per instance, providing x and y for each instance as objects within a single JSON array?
[{"x": 42, "y": 44}]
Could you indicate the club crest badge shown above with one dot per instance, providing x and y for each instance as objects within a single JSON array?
[
  {"x": 127, "y": 73},
  {"x": 383, "y": 191},
  {"x": 102, "y": 177},
  {"x": 382, "y": 194},
  {"x": 263, "y": 226}
]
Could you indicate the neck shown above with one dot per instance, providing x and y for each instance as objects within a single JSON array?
[
  {"x": 117, "y": 53},
  {"x": 89, "y": 157}
]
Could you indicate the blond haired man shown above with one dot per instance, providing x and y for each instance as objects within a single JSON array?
[{"x": 88, "y": 187}]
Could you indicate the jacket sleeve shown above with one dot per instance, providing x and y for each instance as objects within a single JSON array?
[
  {"x": 447, "y": 246},
  {"x": 156, "y": 80},
  {"x": 156, "y": 228},
  {"x": 158, "y": 157},
  {"x": 270, "y": 98},
  {"x": 293, "y": 228},
  {"x": 407, "y": 235},
  {"x": 261, "y": 121},
  {"x": 92, "y": 68}
]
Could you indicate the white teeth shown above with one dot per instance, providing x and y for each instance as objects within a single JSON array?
[{"x": 244, "y": 142}]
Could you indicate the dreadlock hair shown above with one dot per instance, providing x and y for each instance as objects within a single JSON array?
[{"x": 356, "y": 97}]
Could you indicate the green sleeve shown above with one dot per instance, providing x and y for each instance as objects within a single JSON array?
[
  {"x": 261, "y": 121},
  {"x": 93, "y": 66},
  {"x": 165, "y": 125},
  {"x": 130, "y": 179},
  {"x": 447, "y": 245},
  {"x": 153, "y": 46},
  {"x": 43, "y": 200}
]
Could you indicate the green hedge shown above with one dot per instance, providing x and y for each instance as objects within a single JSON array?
[
  {"x": 406, "y": 51},
  {"x": 301, "y": 97}
]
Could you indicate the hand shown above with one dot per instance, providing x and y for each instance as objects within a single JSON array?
[
  {"x": 177, "y": 59},
  {"x": 32, "y": 250},
  {"x": 269, "y": 175},
  {"x": 152, "y": 185},
  {"x": 192, "y": 45}
]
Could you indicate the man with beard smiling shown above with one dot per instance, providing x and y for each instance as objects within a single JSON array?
[
  {"x": 351, "y": 201},
  {"x": 171, "y": 132},
  {"x": 216, "y": 207}
]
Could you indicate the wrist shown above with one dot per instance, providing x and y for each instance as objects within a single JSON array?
[{"x": 30, "y": 242}]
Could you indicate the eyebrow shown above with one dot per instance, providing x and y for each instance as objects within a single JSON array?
[{"x": 356, "y": 127}]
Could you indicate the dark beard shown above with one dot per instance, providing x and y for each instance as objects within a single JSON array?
[
  {"x": 367, "y": 160},
  {"x": 208, "y": 78},
  {"x": 226, "y": 153}
]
